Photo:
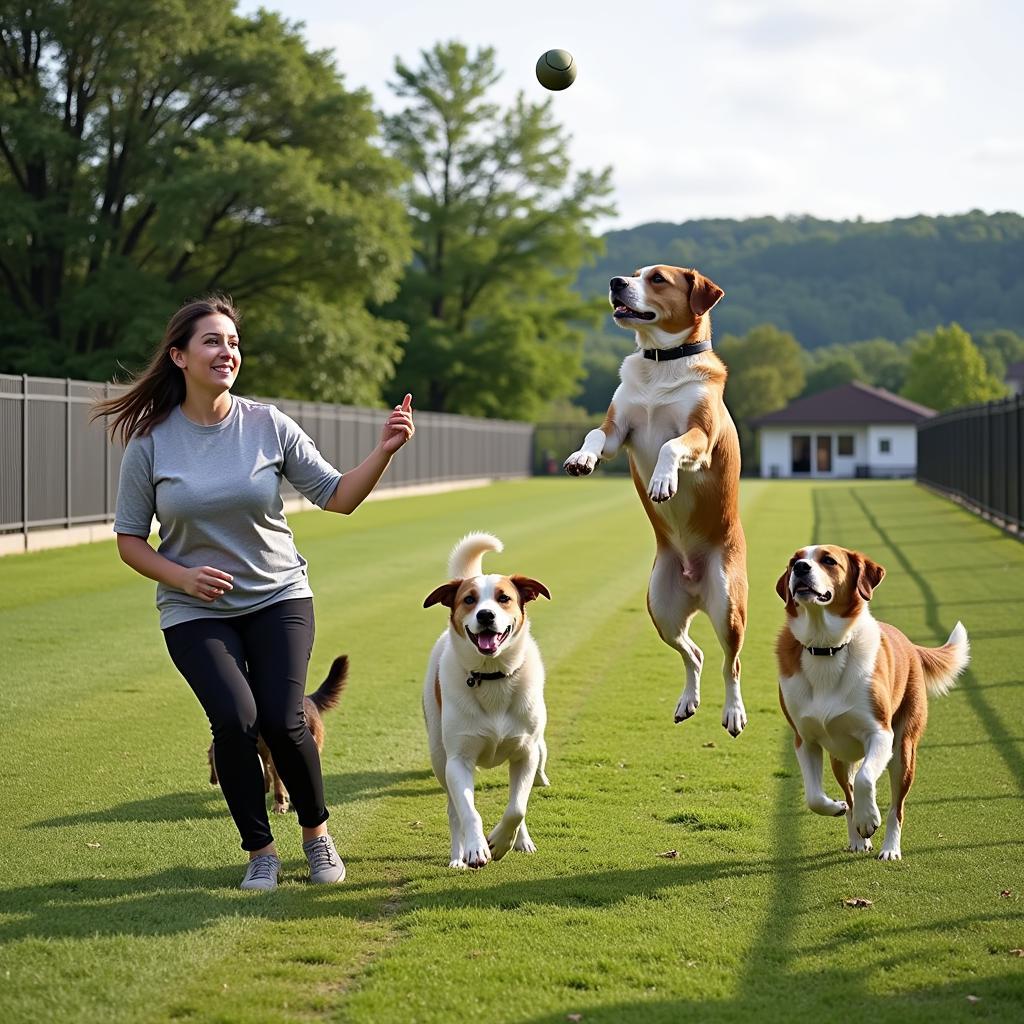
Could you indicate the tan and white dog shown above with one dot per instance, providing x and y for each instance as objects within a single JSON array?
[
  {"x": 684, "y": 456},
  {"x": 855, "y": 687},
  {"x": 483, "y": 700}
]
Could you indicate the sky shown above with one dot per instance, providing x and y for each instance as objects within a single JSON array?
[{"x": 740, "y": 108}]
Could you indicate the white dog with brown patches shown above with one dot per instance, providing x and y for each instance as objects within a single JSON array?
[
  {"x": 855, "y": 687},
  {"x": 483, "y": 700},
  {"x": 670, "y": 415}
]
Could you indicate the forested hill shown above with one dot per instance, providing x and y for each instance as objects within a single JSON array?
[{"x": 840, "y": 281}]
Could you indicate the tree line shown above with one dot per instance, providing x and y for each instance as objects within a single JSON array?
[{"x": 154, "y": 150}]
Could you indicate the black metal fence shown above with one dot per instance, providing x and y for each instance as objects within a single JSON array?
[
  {"x": 976, "y": 455},
  {"x": 57, "y": 468}
]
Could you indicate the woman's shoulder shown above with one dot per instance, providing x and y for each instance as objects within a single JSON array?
[
  {"x": 251, "y": 408},
  {"x": 267, "y": 416}
]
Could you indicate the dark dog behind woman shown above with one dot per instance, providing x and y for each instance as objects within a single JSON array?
[{"x": 235, "y": 605}]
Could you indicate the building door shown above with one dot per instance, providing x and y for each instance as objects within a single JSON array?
[
  {"x": 800, "y": 445},
  {"x": 824, "y": 451}
]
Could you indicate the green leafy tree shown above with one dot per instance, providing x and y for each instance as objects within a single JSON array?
[
  {"x": 830, "y": 368},
  {"x": 501, "y": 226},
  {"x": 884, "y": 362},
  {"x": 1000, "y": 349},
  {"x": 153, "y": 150},
  {"x": 946, "y": 371},
  {"x": 766, "y": 371}
]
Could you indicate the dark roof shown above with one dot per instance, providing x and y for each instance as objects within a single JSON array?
[
  {"x": 848, "y": 403},
  {"x": 1015, "y": 371}
]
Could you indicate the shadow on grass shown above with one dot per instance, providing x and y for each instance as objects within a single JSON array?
[
  {"x": 341, "y": 789},
  {"x": 832, "y": 995},
  {"x": 1003, "y": 743},
  {"x": 181, "y": 899}
]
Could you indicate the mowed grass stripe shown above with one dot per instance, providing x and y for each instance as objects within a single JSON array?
[{"x": 746, "y": 919}]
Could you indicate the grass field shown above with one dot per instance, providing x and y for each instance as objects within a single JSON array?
[{"x": 119, "y": 865}]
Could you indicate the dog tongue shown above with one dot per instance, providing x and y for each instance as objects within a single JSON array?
[{"x": 487, "y": 642}]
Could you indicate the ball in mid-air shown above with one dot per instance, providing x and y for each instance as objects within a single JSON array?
[{"x": 556, "y": 70}]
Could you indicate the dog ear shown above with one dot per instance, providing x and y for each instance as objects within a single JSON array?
[
  {"x": 704, "y": 293},
  {"x": 867, "y": 575},
  {"x": 445, "y": 594},
  {"x": 529, "y": 590},
  {"x": 782, "y": 589}
]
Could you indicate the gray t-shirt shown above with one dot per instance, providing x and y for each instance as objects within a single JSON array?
[{"x": 216, "y": 492}]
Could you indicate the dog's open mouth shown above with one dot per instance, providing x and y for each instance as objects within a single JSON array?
[
  {"x": 623, "y": 312},
  {"x": 805, "y": 590},
  {"x": 487, "y": 641}
]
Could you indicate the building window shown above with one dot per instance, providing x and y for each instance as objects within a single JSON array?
[
  {"x": 844, "y": 444},
  {"x": 800, "y": 445},
  {"x": 884, "y": 445}
]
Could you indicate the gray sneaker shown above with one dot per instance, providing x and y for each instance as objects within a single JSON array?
[
  {"x": 324, "y": 863},
  {"x": 262, "y": 872}
]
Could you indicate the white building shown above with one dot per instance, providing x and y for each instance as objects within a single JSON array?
[{"x": 850, "y": 431}]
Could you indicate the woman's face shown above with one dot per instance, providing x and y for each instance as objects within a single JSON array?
[{"x": 211, "y": 359}]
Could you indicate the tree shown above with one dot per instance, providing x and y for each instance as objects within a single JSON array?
[
  {"x": 153, "y": 150},
  {"x": 946, "y": 371},
  {"x": 765, "y": 372},
  {"x": 883, "y": 361},
  {"x": 831, "y": 367},
  {"x": 501, "y": 229},
  {"x": 1000, "y": 349}
]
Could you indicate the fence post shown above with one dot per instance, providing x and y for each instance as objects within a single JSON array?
[
  {"x": 67, "y": 452},
  {"x": 24, "y": 456},
  {"x": 106, "y": 461}
]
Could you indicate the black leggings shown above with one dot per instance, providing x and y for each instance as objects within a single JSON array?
[{"x": 249, "y": 673}]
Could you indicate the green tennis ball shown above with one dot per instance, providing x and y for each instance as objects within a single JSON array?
[{"x": 556, "y": 70}]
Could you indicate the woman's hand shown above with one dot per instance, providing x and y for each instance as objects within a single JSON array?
[
  {"x": 399, "y": 427},
  {"x": 206, "y": 583}
]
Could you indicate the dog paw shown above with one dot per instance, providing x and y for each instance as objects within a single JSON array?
[
  {"x": 280, "y": 807},
  {"x": 477, "y": 853},
  {"x": 523, "y": 843},
  {"x": 889, "y": 854},
  {"x": 734, "y": 718},
  {"x": 501, "y": 840},
  {"x": 687, "y": 707},
  {"x": 866, "y": 819},
  {"x": 858, "y": 845},
  {"x": 459, "y": 865},
  {"x": 580, "y": 464},
  {"x": 828, "y": 808},
  {"x": 663, "y": 486}
]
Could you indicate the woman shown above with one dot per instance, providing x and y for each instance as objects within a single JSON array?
[{"x": 235, "y": 605}]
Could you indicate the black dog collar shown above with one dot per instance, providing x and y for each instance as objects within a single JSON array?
[
  {"x": 664, "y": 355},
  {"x": 828, "y": 652},
  {"x": 476, "y": 678}
]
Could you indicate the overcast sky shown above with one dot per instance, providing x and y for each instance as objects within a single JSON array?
[{"x": 741, "y": 108}]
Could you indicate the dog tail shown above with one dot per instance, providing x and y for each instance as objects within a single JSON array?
[
  {"x": 329, "y": 692},
  {"x": 943, "y": 664},
  {"x": 466, "y": 558}
]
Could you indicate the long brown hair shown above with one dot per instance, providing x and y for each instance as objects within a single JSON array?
[{"x": 161, "y": 386}]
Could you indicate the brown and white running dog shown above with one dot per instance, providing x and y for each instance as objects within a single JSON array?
[
  {"x": 483, "y": 700},
  {"x": 684, "y": 456},
  {"x": 314, "y": 705},
  {"x": 855, "y": 687}
]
